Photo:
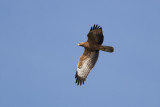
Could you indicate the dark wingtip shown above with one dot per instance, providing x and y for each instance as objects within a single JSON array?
[
  {"x": 91, "y": 29},
  {"x": 95, "y": 27},
  {"x": 79, "y": 80}
]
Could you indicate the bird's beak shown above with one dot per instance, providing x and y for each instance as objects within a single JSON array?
[{"x": 78, "y": 44}]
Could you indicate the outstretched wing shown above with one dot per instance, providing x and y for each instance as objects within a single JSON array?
[
  {"x": 95, "y": 35},
  {"x": 85, "y": 64}
]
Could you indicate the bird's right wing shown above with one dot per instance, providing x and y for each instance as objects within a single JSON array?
[{"x": 85, "y": 64}]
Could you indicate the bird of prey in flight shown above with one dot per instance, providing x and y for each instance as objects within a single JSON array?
[{"x": 89, "y": 58}]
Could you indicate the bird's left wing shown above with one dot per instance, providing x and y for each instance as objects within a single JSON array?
[
  {"x": 95, "y": 35},
  {"x": 85, "y": 64}
]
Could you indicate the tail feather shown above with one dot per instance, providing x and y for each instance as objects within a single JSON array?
[{"x": 107, "y": 48}]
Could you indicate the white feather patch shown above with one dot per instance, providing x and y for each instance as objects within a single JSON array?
[{"x": 87, "y": 65}]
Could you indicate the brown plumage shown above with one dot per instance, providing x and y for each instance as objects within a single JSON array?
[{"x": 91, "y": 53}]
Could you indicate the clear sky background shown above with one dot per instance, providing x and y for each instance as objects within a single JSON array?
[{"x": 39, "y": 55}]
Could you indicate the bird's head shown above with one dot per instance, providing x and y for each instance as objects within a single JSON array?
[{"x": 81, "y": 44}]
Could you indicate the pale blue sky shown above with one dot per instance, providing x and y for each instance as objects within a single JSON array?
[{"x": 39, "y": 55}]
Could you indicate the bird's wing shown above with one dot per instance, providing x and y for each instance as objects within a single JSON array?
[
  {"x": 95, "y": 35},
  {"x": 85, "y": 64}
]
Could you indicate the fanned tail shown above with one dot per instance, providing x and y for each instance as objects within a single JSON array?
[{"x": 106, "y": 48}]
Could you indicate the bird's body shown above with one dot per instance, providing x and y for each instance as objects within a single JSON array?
[
  {"x": 91, "y": 53},
  {"x": 91, "y": 47}
]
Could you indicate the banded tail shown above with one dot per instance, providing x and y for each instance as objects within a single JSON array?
[{"x": 106, "y": 48}]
